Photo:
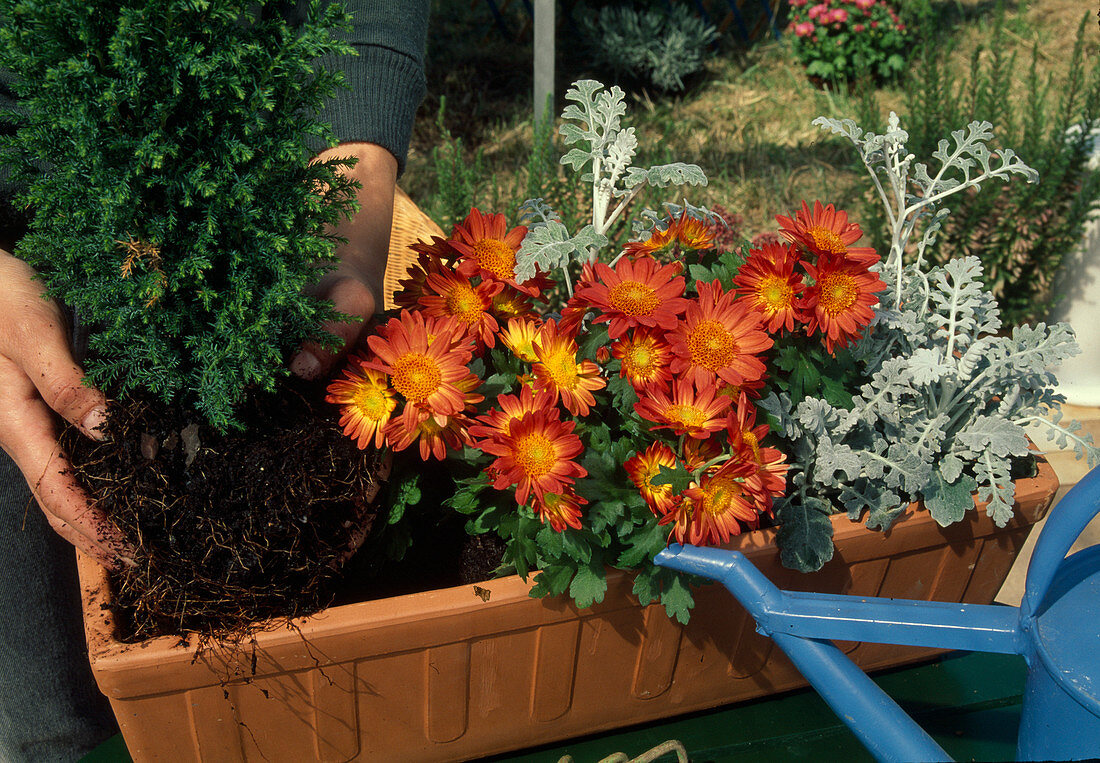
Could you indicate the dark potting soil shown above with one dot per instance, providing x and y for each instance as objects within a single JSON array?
[
  {"x": 233, "y": 528},
  {"x": 261, "y": 524}
]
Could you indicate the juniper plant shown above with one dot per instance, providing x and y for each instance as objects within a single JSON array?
[{"x": 164, "y": 147}]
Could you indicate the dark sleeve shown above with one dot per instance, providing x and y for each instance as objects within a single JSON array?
[{"x": 386, "y": 80}]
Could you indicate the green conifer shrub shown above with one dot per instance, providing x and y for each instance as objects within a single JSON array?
[{"x": 164, "y": 149}]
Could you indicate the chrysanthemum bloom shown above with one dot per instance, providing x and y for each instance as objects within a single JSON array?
[
  {"x": 687, "y": 411},
  {"x": 435, "y": 440},
  {"x": 679, "y": 515},
  {"x": 559, "y": 510},
  {"x": 718, "y": 337},
  {"x": 558, "y": 372},
  {"x": 366, "y": 403},
  {"x": 681, "y": 234},
  {"x": 770, "y": 477},
  {"x": 769, "y": 282},
  {"x": 537, "y": 457},
  {"x": 643, "y": 467},
  {"x": 519, "y": 337},
  {"x": 425, "y": 371},
  {"x": 635, "y": 293},
  {"x": 645, "y": 358},
  {"x": 722, "y": 502},
  {"x": 826, "y": 231},
  {"x": 696, "y": 454},
  {"x": 510, "y": 303},
  {"x": 449, "y": 294},
  {"x": 411, "y": 288},
  {"x": 497, "y": 422},
  {"x": 840, "y": 301},
  {"x": 488, "y": 249}
]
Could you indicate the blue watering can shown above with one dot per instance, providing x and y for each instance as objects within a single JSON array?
[{"x": 1056, "y": 628}]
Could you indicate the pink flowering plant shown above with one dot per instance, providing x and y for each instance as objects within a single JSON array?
[{"x": 840, "y": 40}]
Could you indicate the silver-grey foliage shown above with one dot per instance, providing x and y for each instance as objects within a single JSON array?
[{"x": 948, "y": 400}]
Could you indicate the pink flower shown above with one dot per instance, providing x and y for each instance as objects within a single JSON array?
[
  {"x": 818, "y": 10},
  {"x": 798, "y": 3},
  {"x": 840, "y": 15},
  {"x": 805, "y": 29},
  {"x": 858, "y": 28},
  {"x": 864, "y": 4},
  {"x": 874, "y": 25}
]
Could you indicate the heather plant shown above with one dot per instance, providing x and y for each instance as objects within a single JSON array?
[
  {"x": 660, "y": 46},
  {"x": 165, "y": 150},
  {"x": 844, "y": 40},
  {"x": 1020, "y": 232}
]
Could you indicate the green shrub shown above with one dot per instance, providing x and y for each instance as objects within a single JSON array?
[
  {"x": 178, "y": 213},
  {"x": 652, "y": 45},
  {"x": 1021, "y": 231}
]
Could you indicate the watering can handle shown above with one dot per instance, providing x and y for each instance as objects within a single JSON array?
[{"x": 1062, "y": 528}]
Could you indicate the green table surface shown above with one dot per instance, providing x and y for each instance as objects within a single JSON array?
[{"x": 970, "y": 704}]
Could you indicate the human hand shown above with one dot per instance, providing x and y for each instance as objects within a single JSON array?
[
  {"x": 38, "y": 378},
  {"x": 355, "y": 285}
]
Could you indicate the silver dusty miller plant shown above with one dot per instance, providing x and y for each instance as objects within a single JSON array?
[
  {"x": 949, "y": 399},
  {"x": 603, "y": 151}
]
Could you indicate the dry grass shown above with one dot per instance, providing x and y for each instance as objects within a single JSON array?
[{"x": 747, "y": 122}]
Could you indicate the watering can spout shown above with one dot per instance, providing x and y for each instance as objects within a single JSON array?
[{"x": 730, "y": 568}]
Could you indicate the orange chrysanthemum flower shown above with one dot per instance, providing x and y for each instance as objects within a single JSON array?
[
  {"x": 497, "y": 422},
  {"x": 718, "y": 337},
  {"x": 488, "y": 249},
  {"x": 519, "y": 337},
  {"x": 645, "y": 358},
  {"x": 435, "y": 440},
  {"x": 559, "y": 510},
  {"x": 425, "y": 370},
  {"x": 688, "y": 411},
  {"x": 643, "y": 467},
  {"x": 412, "y": 287},
  {"x": 682, "y": 234},
  {"x": 698, "y": 453},
  {"x": 840, "y": 301},
  {"x": 770, "y": 477},
  {"x": 510, "y": 303},
  {"x": 447, "y": 294},
  {"x": 770, "y": 284},
  {"x": 825, "y": 232},
  {"x": 558, "y": 372},
  {"x": 537, "y": 456},
  {"x": 722, "y": 501},
  {"x": 635, "y": 293},
  {"x": 366, "y": 403}
]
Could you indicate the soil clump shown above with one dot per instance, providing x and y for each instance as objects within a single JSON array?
[{"x": 231, "y": 529}]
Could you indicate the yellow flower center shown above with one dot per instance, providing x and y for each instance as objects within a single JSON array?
[
  {"x": 371, "y": 402},
  {"x": 838, "y": 292},
  {"x": 826, "y": 240},
  {"x": 633, "y": 298},
  {"x": 711, "y": 345},
  {"x": 638, "y": 360},
  {"x": 496, "y": 257},
  {"x": 775, "y": 294},
  {"x": 750, "y": 439},
  {"x": 416, "y": 376},
  {"x": 535, "y": 454},
  {"x": 463, "y": 303},
  {"x": 719, "y": 496},
  {"x": 688, "y": 416},
  {"x": 562, "y": 369}
]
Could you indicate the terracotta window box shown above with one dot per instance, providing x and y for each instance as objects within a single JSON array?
[{"x": 451, "y": 675}]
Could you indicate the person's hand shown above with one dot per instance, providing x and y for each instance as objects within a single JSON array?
[
  {"x": 355, "y": 285},
  {"x": 38, "y": 378}
]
